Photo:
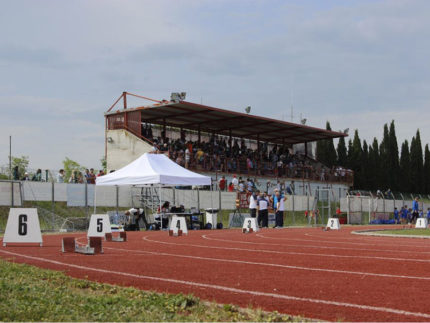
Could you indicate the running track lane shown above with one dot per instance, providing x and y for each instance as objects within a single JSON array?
[{"x": 240, "y": 277}]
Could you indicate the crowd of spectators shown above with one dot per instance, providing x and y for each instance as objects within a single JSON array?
[
  {"x": 76, "y": 176},
  {"x": 219, "y": 155}
]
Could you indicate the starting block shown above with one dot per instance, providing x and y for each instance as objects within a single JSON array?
[
  {"x": 175, "y": 233},
  {"x": 122, "y": 237},
  {"x": 422, "y": 223},
  {"x": 249, "y": 225},
  {"x": 69, "y": 245},
  {"x": 333, "y": 224}
]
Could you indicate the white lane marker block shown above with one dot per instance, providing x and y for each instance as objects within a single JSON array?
[
  {"x": 250, "y": 225},
  {"x": 422, "y": 223},
  {"x": 178, "y": 226},
  {"x": 99, "y": 225},
  {"x": 333, "y": 224},
  {"x": 22, "y": 227}
]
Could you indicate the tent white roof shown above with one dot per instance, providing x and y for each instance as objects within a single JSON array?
[{"x": 153, "y": 169}]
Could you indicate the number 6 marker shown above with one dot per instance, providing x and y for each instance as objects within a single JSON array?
[{"x": 22, "y": 227}]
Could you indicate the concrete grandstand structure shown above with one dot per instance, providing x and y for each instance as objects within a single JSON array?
[{"x": 128, "y": 136}]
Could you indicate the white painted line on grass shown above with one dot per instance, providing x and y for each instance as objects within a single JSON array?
[{"x": 229, "y": 289}]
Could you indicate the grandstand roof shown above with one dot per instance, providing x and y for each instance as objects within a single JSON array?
[{"x": 188, "y": 115}]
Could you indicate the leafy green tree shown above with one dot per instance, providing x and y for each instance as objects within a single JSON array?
[
  {"x": 405, "y": 168},
  {"x": 417, "y": 164},
  {"x": 342, "y": 154},
  {"x": 71, "y": 165}
]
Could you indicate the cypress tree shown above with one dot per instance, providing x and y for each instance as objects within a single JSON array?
[
  {"x": 321, "y": 151},
  {"x": 393, "y": 155},
  {"x": 374, "y": 166},
  {"x": 365, "y": 171},
  {"x": 427, "y": 169},
  {"x": 417, "y": 164},
  {"x": 405, "y": 168},
  {"x": 342, "y": 157},
  {"x": 330, "y": 152},
  {"x": 355, "y": 159},
  {"x": 384, "y": 152}
]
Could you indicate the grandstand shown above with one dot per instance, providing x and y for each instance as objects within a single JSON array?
[{"x": 231, "y": 142}]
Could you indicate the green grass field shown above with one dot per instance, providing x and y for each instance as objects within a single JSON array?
[
  {"x": 407, "y": 232},
  {"x": 29, "y": 293}
]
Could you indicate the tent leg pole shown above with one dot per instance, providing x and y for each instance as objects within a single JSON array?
[{"x": 95, "y": 199}]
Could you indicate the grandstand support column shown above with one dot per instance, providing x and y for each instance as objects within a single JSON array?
[
  {"x": 306, "y": 149},
  {"x": 198, "y": 132},
  {"x": 219, "y": 201},
  {"x": 124, "y": 99}
]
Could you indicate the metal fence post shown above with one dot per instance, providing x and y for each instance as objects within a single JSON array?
[
  {"x": 198, "y": 198},
  {"x": 53, "y": 204},
  {"x": 117, "y": 197},
  {"x": 12, "y": 197}
]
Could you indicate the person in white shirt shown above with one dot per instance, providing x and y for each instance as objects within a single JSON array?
[
  {"x": 263, "y": 212},
  {"x": 60, "y": 176},
  {"x": 235, "y": 182},
  {"x": 133, "y": 217},
  {"x": 253, "y": 203}
]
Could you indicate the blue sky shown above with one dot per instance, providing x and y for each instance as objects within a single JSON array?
[{"x": 358, "y": 64}]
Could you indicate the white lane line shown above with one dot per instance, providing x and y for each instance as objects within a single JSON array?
[
  {"x": 230, "y": 289},
  {"x": 146, "y": 238},
  {"x": 336, "y": 271},
  {"x": 336, "y": 242},
  {"x": 205, "y": 236},
  {"x": 374, "y": 239}
]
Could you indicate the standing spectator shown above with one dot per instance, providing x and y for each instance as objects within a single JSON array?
[
  {"x": 278, "y": 206},
  {"x": 221, "y": 183},
  {"x": 396, "y": 216},
  {"x": 91, "y": 177},
  {"x": 404, "y": 214},
  {"x": 235, "y": 182},
  {"x": 73, "y": 177},
  {"x": 253, "y": 203},
  {"x": 263, "y": 213},
  {"x": 187, "y": 157},
  {"x": 15, "y": 173},
  {"x": 415, "y": 210},
  {"x": 38, "y": 176},
  {"x": 101, "y": 173},
  {"x": 26, "y": 177},
  {"x": 241, "y": 186},
  {"x": 231, "y": 187},
  {"x": 80, "y": 178},
  {"x": 428, "y": 213},
  {"x": 60, "y": 176}
]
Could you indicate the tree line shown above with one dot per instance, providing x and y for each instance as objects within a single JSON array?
[{"x": 379, "y": 166}]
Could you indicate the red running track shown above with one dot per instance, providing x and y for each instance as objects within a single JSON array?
[{"x": 329, "y": 275}]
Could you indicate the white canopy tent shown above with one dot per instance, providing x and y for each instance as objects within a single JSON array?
[{"x": 152, "y": 169}]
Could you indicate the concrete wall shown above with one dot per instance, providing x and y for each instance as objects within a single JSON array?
[{"x": 124, "y": 148}]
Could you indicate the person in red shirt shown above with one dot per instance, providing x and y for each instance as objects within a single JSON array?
[
  {"x": 221, "y": 183},
  {"x": 231, "y": 187}
]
